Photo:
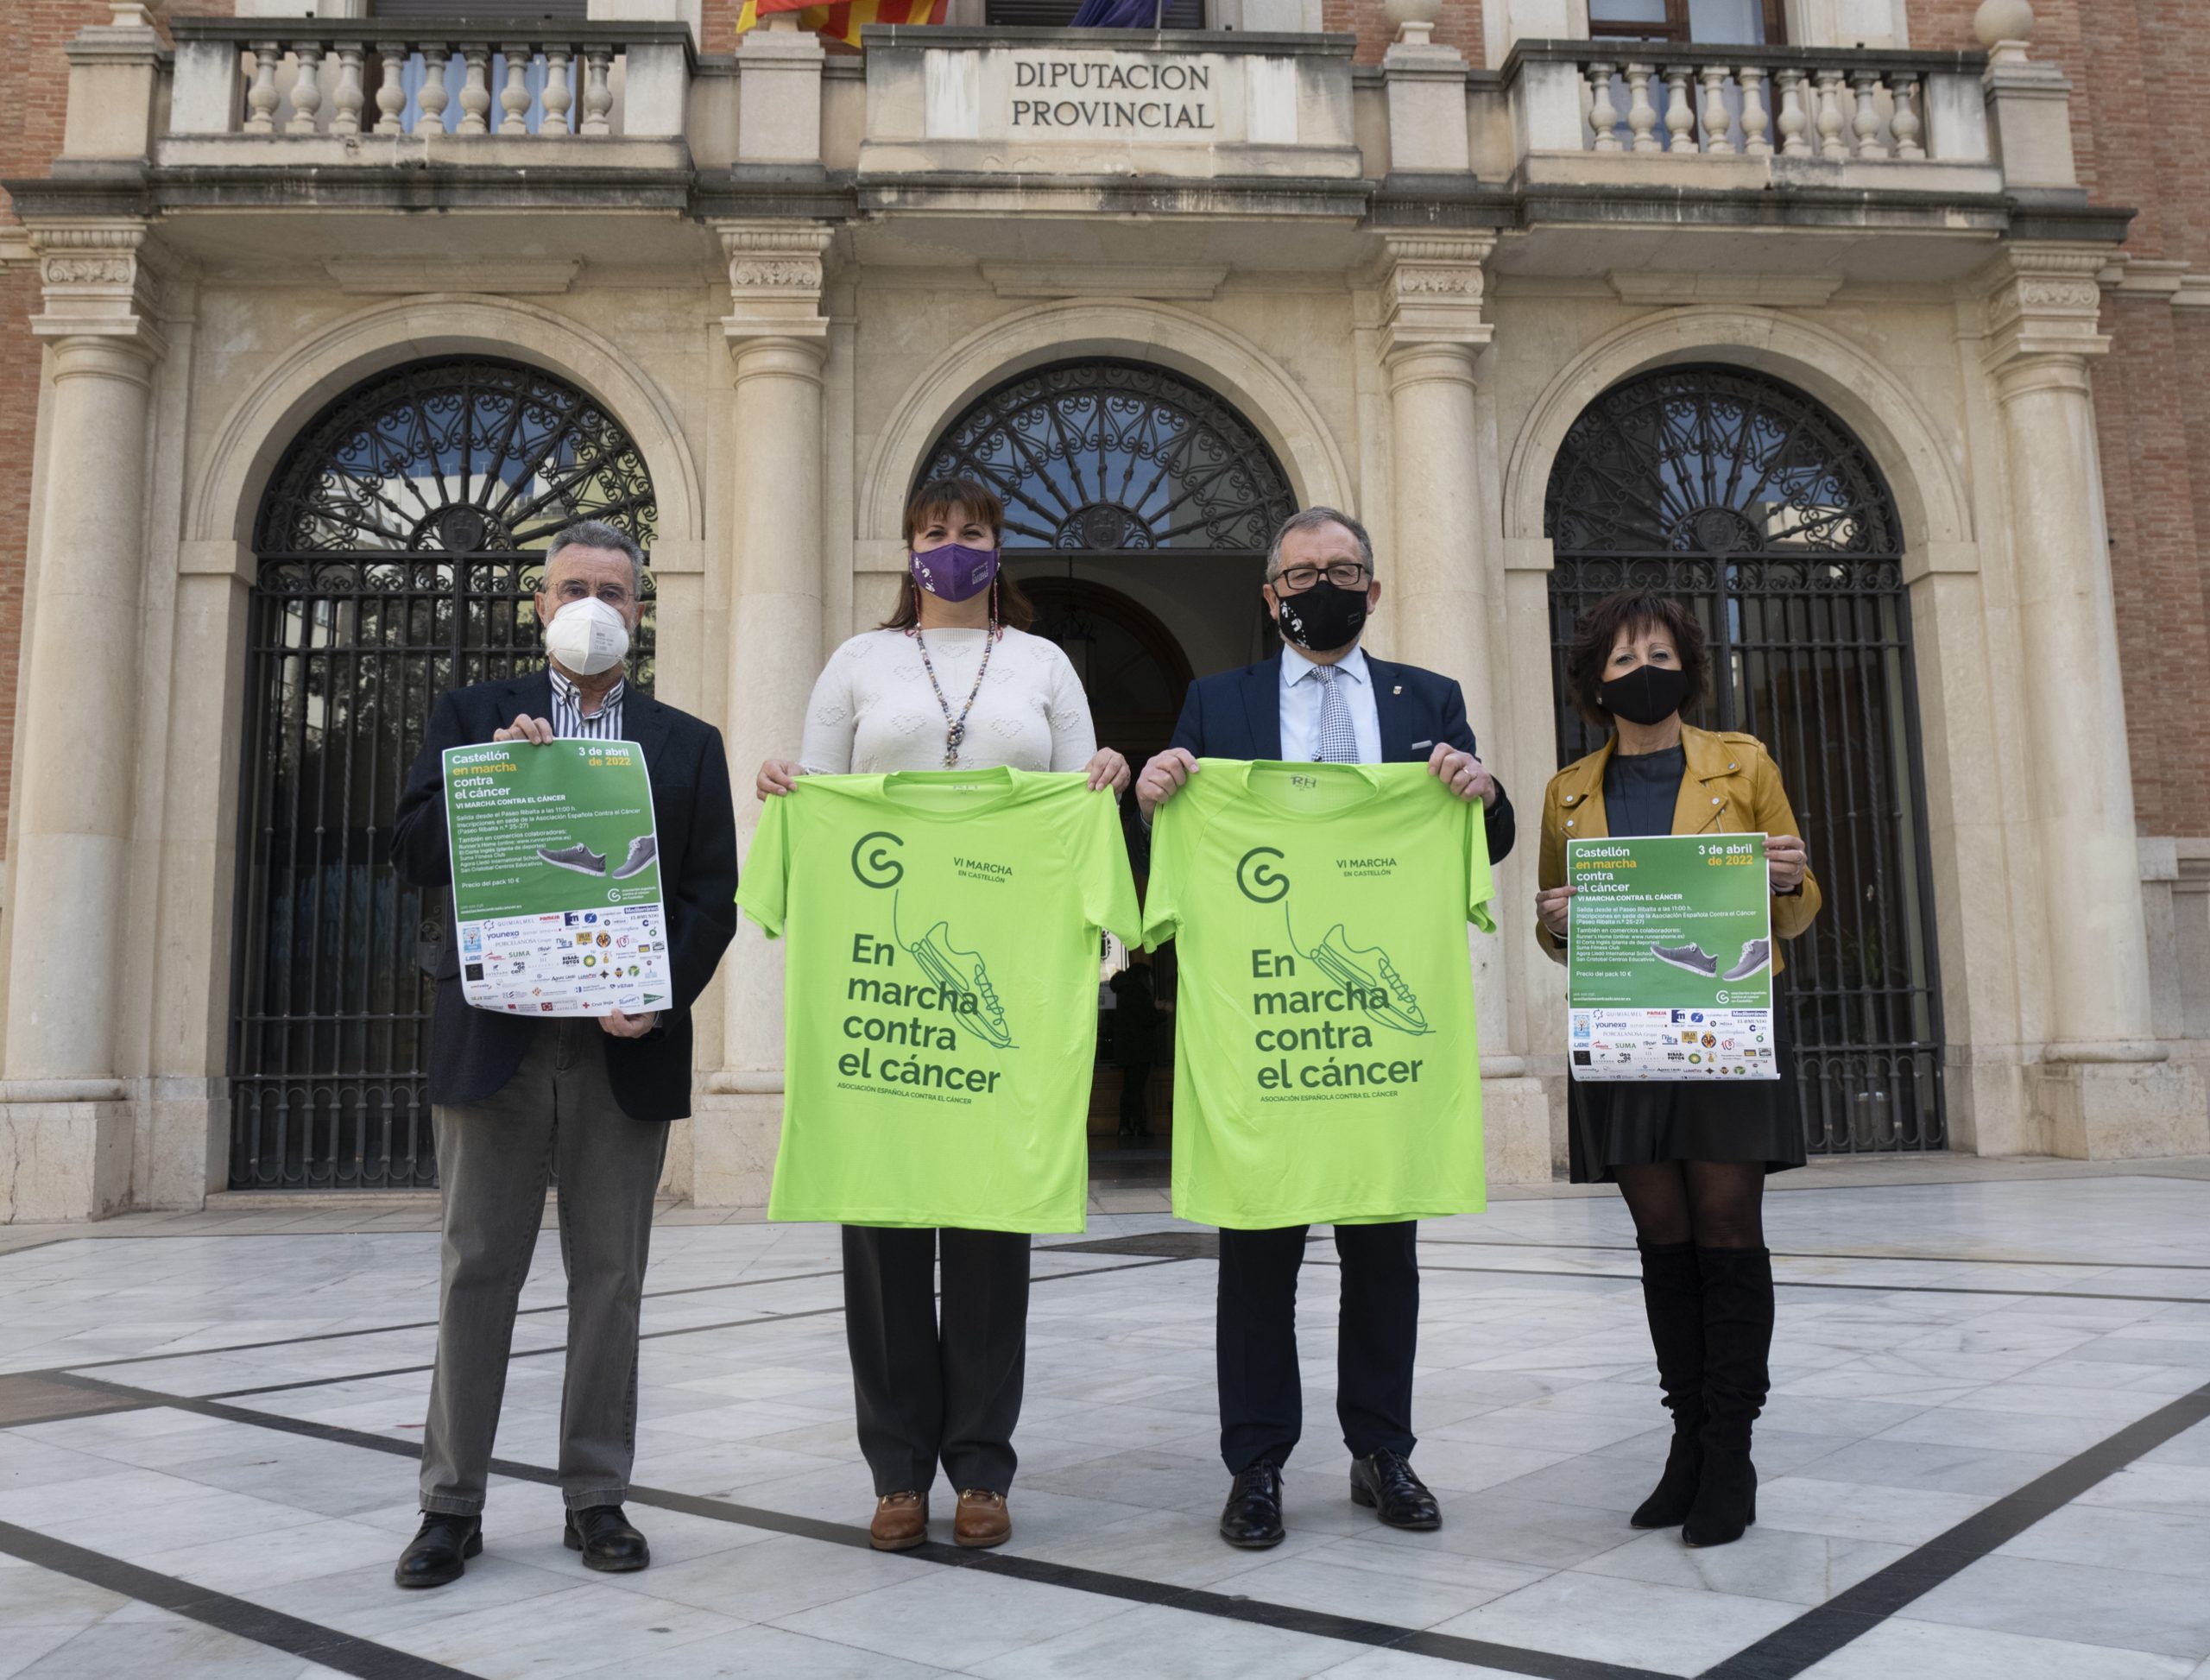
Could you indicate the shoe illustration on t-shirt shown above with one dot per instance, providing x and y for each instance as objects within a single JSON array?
[
  {"x": 1755, "y": 954},
  {"x": 961, "y": 975},
  {"x": 1371, "y": 978},
  {"x": 580, "y": 858},
  {"x": 1691, "y": 957}
]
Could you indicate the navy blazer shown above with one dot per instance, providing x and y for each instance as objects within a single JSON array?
[
  {"x": 1237, "y": 714},
  {"x": 473, "y": 1052}
]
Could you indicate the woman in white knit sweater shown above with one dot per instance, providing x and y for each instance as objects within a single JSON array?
[{"x": 952, "y": 681}]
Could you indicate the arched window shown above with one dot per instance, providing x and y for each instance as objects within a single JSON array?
[
  {"x": 1753, "y": 504},
  {"x": 1104, "y": 456},
  {"x": 400, "y": 543}
]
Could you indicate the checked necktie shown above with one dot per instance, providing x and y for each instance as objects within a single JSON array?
[{"x": 1338, "y": 740}]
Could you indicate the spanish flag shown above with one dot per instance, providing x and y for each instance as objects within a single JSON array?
[{"x": 843, "y": 21}]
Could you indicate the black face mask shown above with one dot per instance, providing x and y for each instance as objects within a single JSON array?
[
  {"x": 1323, "y": 618},
  {"x": 1648, "y": 694}
]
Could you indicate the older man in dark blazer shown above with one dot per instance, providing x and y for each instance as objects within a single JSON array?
[
  {"x": 516, "y": 1100},
  {"x": 1323, "y": 698}
]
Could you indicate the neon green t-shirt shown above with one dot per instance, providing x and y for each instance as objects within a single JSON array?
[
  {"x": 1325, "y": 1067},
  {"x": 939, "y": 992}
]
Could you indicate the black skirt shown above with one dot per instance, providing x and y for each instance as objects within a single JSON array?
[{"x": 1640, "y": 1123}]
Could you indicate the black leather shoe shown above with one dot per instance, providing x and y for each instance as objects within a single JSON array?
[
  {"x": 439, "y": 1551},
  {"x": 1252, "y": 1517},
  {"x": 1386, "y": 1482},
  {"x": 606, "y": 1540}
]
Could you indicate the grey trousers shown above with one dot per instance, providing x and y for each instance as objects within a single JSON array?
[{"x": 495, "y": 1159}]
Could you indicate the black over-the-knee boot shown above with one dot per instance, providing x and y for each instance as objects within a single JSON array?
[
  {"x": 1737, "y": 1344},
  {"x": 1672, "y": 1295}
]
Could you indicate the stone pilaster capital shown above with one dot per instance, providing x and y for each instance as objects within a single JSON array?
[
  {"x": 96, "y": 283},
  {"x": 1432, "y": 289},
  {"x": 776, "y": 271},
  {"x": 127, "y": 37},
  {"x": 2043, "y": 304}
]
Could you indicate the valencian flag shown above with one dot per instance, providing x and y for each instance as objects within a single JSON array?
[{"x": 843, "y": 21}]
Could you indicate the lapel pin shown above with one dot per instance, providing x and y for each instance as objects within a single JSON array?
[{"x": 1398, "y": 689}]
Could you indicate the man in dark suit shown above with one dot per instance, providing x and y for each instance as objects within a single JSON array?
[
  {"x": 1321, "y": 698},
  {"x": 515, "y": 1100}
]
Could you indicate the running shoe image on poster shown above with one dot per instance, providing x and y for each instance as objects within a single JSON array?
[
  {"x": 643, "y": 850},
  {"x": 1367, "y": 972},
  {"x": 963, "y": 974},
  {"x": 1755, "y": 954},
  {"x": 582, "y": 859},
  {"x": 1690, "y": 957}
]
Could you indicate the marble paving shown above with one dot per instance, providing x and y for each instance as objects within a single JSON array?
[{"x": 1987, "y": 1454}]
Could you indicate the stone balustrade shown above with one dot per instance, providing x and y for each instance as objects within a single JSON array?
[
  {"x": 279, "y": 78},
  {"x": 1836, "y": 105}
]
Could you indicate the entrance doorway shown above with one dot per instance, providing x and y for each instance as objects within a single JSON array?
[
  {"x": 399, "y": 546},
  {"x": 1139, "y": 508},
  {"x": 1754, "y": 504}
]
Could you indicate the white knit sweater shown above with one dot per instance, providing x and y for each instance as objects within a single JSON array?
[{"x": 872, "y": 709}]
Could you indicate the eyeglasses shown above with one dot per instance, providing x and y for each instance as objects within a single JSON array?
[{"x": 1343, "y": 574}]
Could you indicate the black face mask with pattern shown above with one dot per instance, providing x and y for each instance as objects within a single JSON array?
[
  {"x": 1648, "y": 694},
  {"x": 1323, "y": 618}
]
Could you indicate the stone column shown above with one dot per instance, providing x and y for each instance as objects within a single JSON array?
[
  {"x": 78, "y": 726},
  {"x": 779, "y": 338},
  {"x": 2105, "y": 1087},
  {"x": 1440, "y": 584}
]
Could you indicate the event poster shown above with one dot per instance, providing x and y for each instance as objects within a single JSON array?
[
  {"x": 556, "y": 878},
  {"x": 1668, "y": 958}
]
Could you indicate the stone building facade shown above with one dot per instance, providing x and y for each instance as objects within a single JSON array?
[{"x": 1881, "y": 334}]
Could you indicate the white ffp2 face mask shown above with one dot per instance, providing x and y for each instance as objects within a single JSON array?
[{"x": 587, "y": 636}]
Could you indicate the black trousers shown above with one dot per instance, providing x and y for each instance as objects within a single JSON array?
[
  {"x": 932, "y": 1394},
  {"x": 1377, "y": 1334}
]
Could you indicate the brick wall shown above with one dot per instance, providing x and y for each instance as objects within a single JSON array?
[
  {"x": 1460, "y": 26},
  {"x": 2152, "y": 409}
]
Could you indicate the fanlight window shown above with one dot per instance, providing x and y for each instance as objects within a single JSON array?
[
  {"x": 1108, "y": 456},
  {"x": 1716, "y": 461},
  {"x": 459, "y": 456}
]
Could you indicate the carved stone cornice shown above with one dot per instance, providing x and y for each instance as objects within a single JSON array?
[
  {"x": 775, "y": 277},
  {"x": 97, "y": 282},
  {"x": 2043, "y": 310},
  {"x": 1432, "y": 289}
]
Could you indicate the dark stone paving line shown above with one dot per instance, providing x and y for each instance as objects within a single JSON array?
[
  {"x": 1821, "y": 1632},
  {"x": 308, "y": 1640},
  {"x": 1320, "y": 1624}
]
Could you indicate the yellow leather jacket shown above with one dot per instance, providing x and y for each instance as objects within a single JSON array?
[{"x": 1731, "y": 786}]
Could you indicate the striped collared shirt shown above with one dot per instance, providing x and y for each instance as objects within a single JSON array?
[{"x": 569, "y": 722}]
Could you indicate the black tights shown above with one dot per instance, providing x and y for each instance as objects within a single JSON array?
[{"x": 1714, "y": 1205}]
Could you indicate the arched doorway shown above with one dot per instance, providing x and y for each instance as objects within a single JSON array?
[
  {"x": 1133, "y": 669},
  {"x": 1750, "y": 500},
  {"x": 397, "y": 547},
  {"x": 1139, "y": 509}
]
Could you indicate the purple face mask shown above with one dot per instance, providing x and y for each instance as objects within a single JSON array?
[{"x": 955, "y": 573}]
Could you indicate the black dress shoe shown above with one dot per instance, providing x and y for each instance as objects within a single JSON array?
[
  {"x": 606, "y": 1540},
  {"x": 1252, "y": 1517},
  {"x": 1400, "y": 1498},
  {"x": 439, "y": 1551}
]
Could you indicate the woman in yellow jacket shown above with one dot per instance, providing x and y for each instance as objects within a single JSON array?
[{"x": 1689, "y": 1159}]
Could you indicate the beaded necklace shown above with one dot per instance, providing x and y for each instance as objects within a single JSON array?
[{"x": 955, "y": 728}]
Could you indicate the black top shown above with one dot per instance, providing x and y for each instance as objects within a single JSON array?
[{"x": 1639, "y": 791}]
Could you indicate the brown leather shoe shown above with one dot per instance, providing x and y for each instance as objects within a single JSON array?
[
  {"x": 901, "y": 1522},
  {"x": 982, "y": 1519}
]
